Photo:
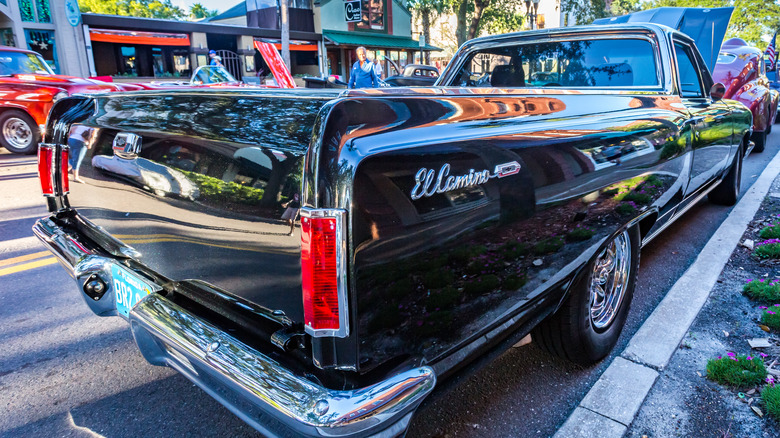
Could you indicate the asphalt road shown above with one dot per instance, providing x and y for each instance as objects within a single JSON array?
[{"x": 67, "y": 373}]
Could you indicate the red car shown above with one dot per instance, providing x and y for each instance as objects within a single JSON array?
[
  {"x": 741, "y": 69},
  {"x": 28, "y": 88}
]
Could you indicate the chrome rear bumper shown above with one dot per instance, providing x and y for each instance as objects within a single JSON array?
[{"x": 251, "y": 384}]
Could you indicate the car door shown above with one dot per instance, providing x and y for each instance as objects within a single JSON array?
[{"x": 712, "y": 134}]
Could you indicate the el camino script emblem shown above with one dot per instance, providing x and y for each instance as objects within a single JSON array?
[{"x": 429, "y": 184}]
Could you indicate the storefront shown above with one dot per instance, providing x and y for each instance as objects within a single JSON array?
[
  {"x": 134, "y": 47},
  {"x": 392, "y": 52}
]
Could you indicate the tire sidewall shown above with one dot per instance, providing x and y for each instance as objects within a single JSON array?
[
  {"x": 33, "y": 147},
  {"x": 596, "y": 344}
]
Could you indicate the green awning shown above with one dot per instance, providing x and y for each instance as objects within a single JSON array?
[{"x": 374, "y": 41}]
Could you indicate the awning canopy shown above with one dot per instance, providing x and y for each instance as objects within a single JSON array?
[
  {"x": 135, "y": 37},
  {"x": 374, "y": 41}
]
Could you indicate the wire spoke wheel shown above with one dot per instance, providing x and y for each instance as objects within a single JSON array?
[{"x": 609, "y": 281}]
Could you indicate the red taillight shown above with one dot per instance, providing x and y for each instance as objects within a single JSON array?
[
  {"x": 46, "y": 168},
  {"x": 48, "y": 172},
  {"x": 64, "y": 156},
  {"x": 322, "y": 276}
]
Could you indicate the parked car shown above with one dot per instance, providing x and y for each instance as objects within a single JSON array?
[
  {"x": 774, "y": 82},
  {"x": 435, "y": 223},
  {"x": 28, "y": 88},
  {"x": 742, "y": 70},
  {"x": 415, "y": 75}
]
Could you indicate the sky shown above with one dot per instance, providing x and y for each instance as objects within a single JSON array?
[{"x": 220, "y": 5}]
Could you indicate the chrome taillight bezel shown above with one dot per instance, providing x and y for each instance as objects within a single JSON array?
[{"x": 340, "y": 217}]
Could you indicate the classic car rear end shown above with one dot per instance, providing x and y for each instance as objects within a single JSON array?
[
  {"x": 742, "y": 70},
  {"x": 434, "y": 222}
]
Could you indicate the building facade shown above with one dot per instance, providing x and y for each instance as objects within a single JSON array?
[{"x": 323, "y": 38}]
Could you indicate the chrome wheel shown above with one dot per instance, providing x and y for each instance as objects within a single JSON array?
[
  {"x": 609, "y": 281},
  {"x": 17, "y": 133}
]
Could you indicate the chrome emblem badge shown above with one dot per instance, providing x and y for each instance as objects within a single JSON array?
[{"x": 429, "y": 182}]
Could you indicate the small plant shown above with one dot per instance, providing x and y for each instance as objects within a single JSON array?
[
  {"x": 481, "y": 285},
  {"x": 388, "y": 317},
  {"x": 739, "y": 371},
  {"x": 611, "y": 192},
  {"x": 768, "y": 249},
  {"x": 443, "y": 299},
  {"x": 438, "y": 278},
  {"x": 771, "y": 316},
  {"x": 626, "y": 208},
  {"x": 513, "y": 250},
  {"x": 638, "y": 197},
  {"x": 771, "y": 397},
  {"x": 763, "y": 291},
  {"x": 514, "y": 282},
  {"x": 772, "y": 232},
  {"x": 580, "y": 234},
  {"x": 549, "y": 245}
]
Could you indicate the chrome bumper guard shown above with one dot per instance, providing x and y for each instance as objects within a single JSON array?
[{"x": 252, "y": 385}]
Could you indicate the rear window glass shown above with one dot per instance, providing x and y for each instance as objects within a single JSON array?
[
  {"x": 726, "y": 58},
  {"x": 594, "y": 63}
]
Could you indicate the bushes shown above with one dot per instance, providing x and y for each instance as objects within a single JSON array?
[
  {"x": 763, "y": 291},
  {"x": 768, "y": 249},
  {"x": 738, "y": 371}
]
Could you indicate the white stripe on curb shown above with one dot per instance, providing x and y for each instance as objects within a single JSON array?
[{"x": 612, "y": 403}]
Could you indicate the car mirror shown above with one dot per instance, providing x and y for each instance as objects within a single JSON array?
[{"x": 717, "y": 91}]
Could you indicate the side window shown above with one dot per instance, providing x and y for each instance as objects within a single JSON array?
[{"x": 690, "y": 83}]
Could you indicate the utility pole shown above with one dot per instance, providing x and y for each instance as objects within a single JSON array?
[{"x": 285, "y": 18}]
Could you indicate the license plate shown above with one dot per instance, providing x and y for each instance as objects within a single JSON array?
[{"x": 129, "y": 289}]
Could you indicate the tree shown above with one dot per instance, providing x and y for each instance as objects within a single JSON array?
[
  {"x": 198, "y": 11},
  {"x": 426, "y": 8},
  {"x": 751, "y": 19},
  {"x": 584, "y": 11},
  {"x": 473, "y": 17},
  {"x": 134, "y": 8}
]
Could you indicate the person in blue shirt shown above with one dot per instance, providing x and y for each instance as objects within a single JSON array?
[
  {"x": 215, "y": 60},
  {"x": 363, "y": 74}
]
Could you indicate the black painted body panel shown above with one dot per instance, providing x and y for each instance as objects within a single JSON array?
[{"x": 440, "y": 261}]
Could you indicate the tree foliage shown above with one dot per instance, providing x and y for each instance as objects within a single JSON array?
[
  {"x": 584, "y": 11},
  {"x": 751, "y": 19},
  {"x": 503, "y": 16},
  {"x": 198, "y": 11},
  {"x": 475, "y": 17},
  {"x": 428, "y": 10},
  {"x": 134, "y": 8}
]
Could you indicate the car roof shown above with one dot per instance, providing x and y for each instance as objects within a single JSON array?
[{"x": 15, "y": 49}]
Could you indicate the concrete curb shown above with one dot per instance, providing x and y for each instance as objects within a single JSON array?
[{"x": 613, "y": 402}]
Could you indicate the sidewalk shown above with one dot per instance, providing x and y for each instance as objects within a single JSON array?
[{"x": 681, "y": 401}]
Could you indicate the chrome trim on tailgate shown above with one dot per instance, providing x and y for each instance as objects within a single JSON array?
[{"x": 254, "y": 386}]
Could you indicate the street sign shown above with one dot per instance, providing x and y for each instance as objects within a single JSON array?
[{"x": 352, "y": 11}]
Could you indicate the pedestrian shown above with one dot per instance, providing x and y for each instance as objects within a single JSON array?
[
  {"x": 377, "y": 66},
  {"x": 363, "y": 74},
  {"x": 261, "y": 67},
  {"x": 215, "y": 60},
  {"x": 291, "y": 212}
]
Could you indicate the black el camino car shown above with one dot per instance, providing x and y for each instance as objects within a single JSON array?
[{"x": 315, "y": 259}]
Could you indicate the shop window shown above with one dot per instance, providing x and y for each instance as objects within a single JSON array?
[
  {"x": 42, "y": 41},
  {"x": 373, "y": 15},
  {"x": 127, "y": 58},
  {"x": 44, "y": 14},
  {"x": 181, "y": 63},
  {"x": 7, "y": 37},
  {"x": 158, "y": 66},
  {"x": 28, "y": 9}
]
